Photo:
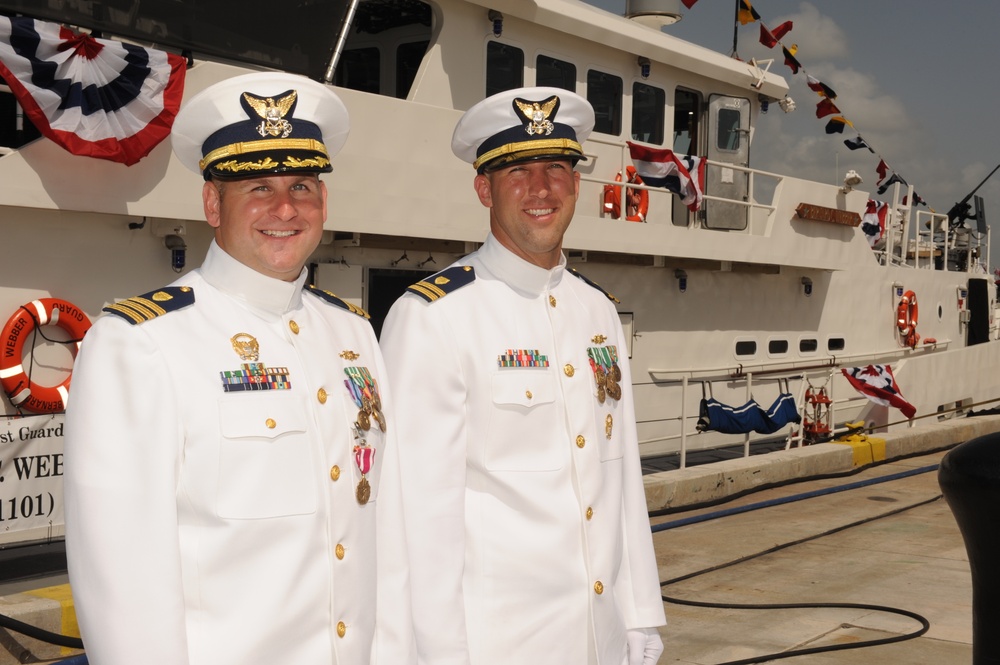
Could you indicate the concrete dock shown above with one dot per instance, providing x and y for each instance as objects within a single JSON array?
[{"x": 867, "y": 527}]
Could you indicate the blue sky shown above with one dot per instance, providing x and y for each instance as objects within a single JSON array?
[{"x": 919, "y": 79}]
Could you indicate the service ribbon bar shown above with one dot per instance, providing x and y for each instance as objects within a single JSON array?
[{"x": 522, "y": 358}]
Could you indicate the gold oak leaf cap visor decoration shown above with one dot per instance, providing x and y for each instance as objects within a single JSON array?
[{"x": 261, "y": 124}]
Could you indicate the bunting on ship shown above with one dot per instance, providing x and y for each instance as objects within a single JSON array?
[
  {"x": 683, "y": 175},
  {"x": 94, "y": 97},
  {"x": 877, "y": 383}
]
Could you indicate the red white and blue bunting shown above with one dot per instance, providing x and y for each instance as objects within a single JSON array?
[{"x": 94, "y": 97}]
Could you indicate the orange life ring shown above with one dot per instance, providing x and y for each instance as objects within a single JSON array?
[
  {"x": 637, "y": 200},
  {"x": 907, "y": 315},
  {"x": 21, "y": 391}
]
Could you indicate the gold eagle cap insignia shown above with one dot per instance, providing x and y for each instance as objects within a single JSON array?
[
  {"x": 272, "y": 113},
  {"x": 538, "y": 114}
]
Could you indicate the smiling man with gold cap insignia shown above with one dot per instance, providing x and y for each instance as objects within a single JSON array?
[
  {"x": 528, "y": 536},
  {"x": 231, "y": 444}
]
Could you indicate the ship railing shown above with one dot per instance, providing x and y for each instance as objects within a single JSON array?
[
  {"x": 801, "y": 371},
  {"x": 753, "y": 176},
  {"x": 926, "y": 240}
]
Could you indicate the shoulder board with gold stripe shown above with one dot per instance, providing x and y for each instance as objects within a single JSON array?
[
  {"x": 595, "y": 285},
  {"x": 441, "y": 284},
  {"x": 334, "y": 300},
  {"x": 148, "y": 306}
]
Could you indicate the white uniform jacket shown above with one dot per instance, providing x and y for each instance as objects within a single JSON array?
[
  {"x": 526, "y": 516},
  {"x": 215, "y": 527}
]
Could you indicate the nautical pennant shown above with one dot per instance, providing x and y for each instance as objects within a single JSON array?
[
  {"x": 770, "y": 38},
  {"x": 93, "y": 97}
]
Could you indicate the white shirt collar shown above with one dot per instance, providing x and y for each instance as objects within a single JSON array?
[
  {"x": 266, "y": 296},
  {"x": 518, "y": 273}
]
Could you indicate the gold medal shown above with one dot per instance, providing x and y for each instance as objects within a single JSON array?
[
  {"x": 616, "y": 372},
  {"x": 379, "y": 418},
  {"x": 615, "y": 392},
  {"x": 364, "y": 422},
  {"x": 601, "y": 394},
  {"x": 364, "y": 491}
]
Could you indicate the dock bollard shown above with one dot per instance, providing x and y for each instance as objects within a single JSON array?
[{"x": 969, "y": 476}]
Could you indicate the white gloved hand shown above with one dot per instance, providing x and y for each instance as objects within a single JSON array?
[{"x": 644, "y": 646}]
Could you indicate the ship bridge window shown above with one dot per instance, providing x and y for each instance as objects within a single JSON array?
[
  {"x": 835, "y": 344},
  {"x": 604, "y": 92},
  {"x": 408, "y": 57},
  {"x": 15, "y": 127},
  {"x": 746, "y": 348},
  {"x": 729, "y": 130},
  {"x": 808, "y": 345},
  {"x": 648, "y": 108},
  {"x": 555, "y": 73},
  {"x": 504, "y": 67},
  {"x": 687, "y": 110},
  {"x": 777, "y": 347},
  {"x": 359, "y": 69}
]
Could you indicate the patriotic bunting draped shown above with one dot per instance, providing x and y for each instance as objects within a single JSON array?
[
  {"x": 93, "y": 97},
  {"x": 873, "y": 221},
  {"x": 877, "y": 383},
  {"x": 683, "y": 175}
]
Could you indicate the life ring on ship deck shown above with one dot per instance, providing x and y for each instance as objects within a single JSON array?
[
  {"x": 636, "y": 200},
  {"x": 22, "y": 392},
  {"x": 907, "y": 315}
]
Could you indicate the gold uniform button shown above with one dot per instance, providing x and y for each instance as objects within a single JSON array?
[
  {"x": 598, "y": 588},
  {"x": 590, "y": 512},
  {"x": 270, "y": 423},
  {"x": 580, "y": 441},
  {"x": 339, "y": 551},
  {"x": 552, "y": 301},
  {"x": 527, "y": 393},
  {"x": 569, "y": 370},
  {"x": 321, "y": 396},
  {"x": 341, "y": 629},
  {"x": 335, "y": 473},
  {"x": 294, "y": 327}
]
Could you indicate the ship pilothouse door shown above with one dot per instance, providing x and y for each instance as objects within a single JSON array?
[{"x": 729, "y": 142}]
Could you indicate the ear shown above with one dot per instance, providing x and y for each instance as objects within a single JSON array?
[
  {"x": 211, "y": 201},
  {"x": 576, "y": 184},
  {"x": 484, "y": 189}
]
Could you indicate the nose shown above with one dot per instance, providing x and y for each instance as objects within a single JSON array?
[
  {"x": 283, "y": 205},
  {"x": 538, "y": 185}
]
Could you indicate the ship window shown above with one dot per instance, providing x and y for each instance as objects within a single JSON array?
[
  {"x": 777, "y": 347},
  {"x": 504, "y": 68},
  {"x": 729, "y": 130},
  {"x": 358, "y": 69},
  {"x": 408, "y": 57},
  {"x": 555, "y": 73},
  {"x": 604, "y": 92},
  {"x": 808, "y": 345},
  {"x": 835, "y": 344},
  {"x": 686, "y": 113},
  {"x": 648, "y": 104},
  {"x": 746, "y": 347}
]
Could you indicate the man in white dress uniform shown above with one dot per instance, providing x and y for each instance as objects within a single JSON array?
[
  {"x": 231, "y": 447},
  {"x": 529, "y": 540}
]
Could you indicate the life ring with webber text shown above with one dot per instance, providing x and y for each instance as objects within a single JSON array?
[
  {"x": 22, "y": 392},
  {"x": 636, "y": 200},
  {"x": 907, "y": 314}
]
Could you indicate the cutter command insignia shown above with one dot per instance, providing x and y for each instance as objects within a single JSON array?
[
  {"x": 148, "y": 306},
  {"x": 595, "y": 285},
  {"x": 442, "y": 283},
  {"x": 334, "y": 300}
]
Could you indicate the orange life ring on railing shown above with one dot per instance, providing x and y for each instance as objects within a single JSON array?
[
  {"x": 21, "y": 391},
  {"x": 636, "y": 200},
  {"x": 907, "y": 315}
]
